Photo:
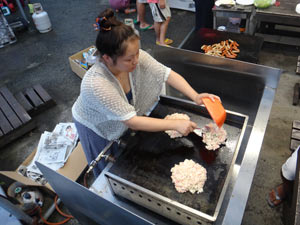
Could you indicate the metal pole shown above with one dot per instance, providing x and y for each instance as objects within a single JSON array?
[{"x": 22, "y": 11}]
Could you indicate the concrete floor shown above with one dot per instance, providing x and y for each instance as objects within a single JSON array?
[{"x": 43, "y": 58}]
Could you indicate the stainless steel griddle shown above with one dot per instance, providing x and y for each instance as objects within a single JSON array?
[
  {"x": 243, "y": 87},
  {"x": 142, "y": 173}
]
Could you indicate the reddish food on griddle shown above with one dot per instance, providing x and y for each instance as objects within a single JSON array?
[
  {"x": 227, "y": 48},
  {"x": 213, "y": 136},
  {"x": 176, "y": 116},
  {"x": 188, "y": 176}
]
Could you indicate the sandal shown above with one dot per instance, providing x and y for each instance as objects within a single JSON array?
[
  {"x": 167, "y": 41},
  {"x": 277, "y": 201},
  {"x": 128, "y": 11},
  {"x": 163, "y": 45},
  {"x": 149, "y": 27}
]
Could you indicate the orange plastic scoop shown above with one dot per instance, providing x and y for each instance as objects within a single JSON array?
[{"x": 216, "y": 110}]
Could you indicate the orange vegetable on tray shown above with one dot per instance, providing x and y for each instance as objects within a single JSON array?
[{"x": 227, "y": 48}]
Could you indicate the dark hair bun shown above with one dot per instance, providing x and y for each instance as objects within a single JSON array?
[{"x": 106, "y": 19}]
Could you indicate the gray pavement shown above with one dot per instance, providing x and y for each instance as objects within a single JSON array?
[{"x": 43, "y": 58}]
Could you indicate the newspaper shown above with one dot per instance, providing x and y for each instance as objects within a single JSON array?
[{"x": 53, "y": 150}]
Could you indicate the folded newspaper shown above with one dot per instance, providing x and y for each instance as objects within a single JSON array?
[{"x": 53, "y": 150}]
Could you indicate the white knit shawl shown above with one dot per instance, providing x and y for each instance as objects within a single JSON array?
[{"x": 102, "y": 104}]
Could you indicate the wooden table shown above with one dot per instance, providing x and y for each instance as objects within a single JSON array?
[{"x": 283, "y": 14}]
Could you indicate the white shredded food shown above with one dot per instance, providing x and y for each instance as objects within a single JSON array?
[
  {"x": 188, "y": 176},
  {"x": 176, "y": 116},
  {"x": 213, "y": 136}
]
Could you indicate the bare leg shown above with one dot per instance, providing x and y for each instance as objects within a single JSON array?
[
  {"x": 157, "y": 26},
  {"x": 282, "y": 190},
  {"x": 163, "y": 31},
  {"x": 141, "y": 10}
]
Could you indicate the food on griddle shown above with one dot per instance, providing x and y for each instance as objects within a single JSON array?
[
  {"x": 176, "y": 116},
  {"x": 228, "y": 48},
  {"x": 213, "y": 136},
  {"x": 188, "y": 176}
]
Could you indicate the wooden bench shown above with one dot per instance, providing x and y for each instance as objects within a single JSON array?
[
  {"x": 35, "y": 100},
  {"x": 295, "y": 137},
  {"x": 14, "y": 120}
]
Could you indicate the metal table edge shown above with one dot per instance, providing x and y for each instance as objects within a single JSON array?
[{"x": 239, "y": 196}]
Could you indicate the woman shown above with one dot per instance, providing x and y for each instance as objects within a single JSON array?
[{"x": 121, "y": 88}]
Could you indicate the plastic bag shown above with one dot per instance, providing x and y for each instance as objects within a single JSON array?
[{"x": 262, "y": 4}]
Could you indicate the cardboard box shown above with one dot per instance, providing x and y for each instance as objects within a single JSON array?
[
  {"x": 76, "y": 68},
  {"x": 72, "y": 169}
]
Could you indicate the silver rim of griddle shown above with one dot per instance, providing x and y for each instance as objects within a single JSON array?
[
  {"x": 165, "y": 206},
  {"x": 157, "y": 203}
]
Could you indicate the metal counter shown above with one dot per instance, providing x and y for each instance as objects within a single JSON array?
[{"x": 243, "y": 87}]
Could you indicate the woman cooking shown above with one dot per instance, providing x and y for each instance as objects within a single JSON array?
[{"x": 121, "y": 88}]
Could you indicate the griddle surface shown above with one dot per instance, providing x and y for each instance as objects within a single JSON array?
[
  {"x": 149, "y": 157},
  {"x": 250, "y": 46}
]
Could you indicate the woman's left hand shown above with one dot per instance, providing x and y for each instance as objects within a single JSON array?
[{"x": 198, "y": 98}]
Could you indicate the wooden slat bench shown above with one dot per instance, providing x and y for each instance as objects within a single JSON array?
[
  {"x": 14, "y": 120},
  {"x": 35, "y": 99},
  {"x": 295, "y": 137}
]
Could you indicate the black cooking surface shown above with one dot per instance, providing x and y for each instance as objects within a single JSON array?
[
  {"x": 149, "y": 157},
  {"x": 250, "y": 46}
]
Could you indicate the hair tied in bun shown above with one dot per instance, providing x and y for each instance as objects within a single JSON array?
[{"x": 99, "y": 24}]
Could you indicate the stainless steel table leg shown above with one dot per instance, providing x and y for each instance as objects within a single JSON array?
[
  {"x": 247, "y": 25},
  {"x": 215, "y": 21}
]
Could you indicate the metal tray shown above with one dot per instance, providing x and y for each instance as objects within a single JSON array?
[
  {"x": 142, "y": 172},
  {"x": 250, "y": 46}
]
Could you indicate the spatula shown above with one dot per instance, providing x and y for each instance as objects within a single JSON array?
[{"x": 216, "y": 110}]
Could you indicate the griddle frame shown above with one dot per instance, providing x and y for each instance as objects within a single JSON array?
[{"x": 128, "y": 190}]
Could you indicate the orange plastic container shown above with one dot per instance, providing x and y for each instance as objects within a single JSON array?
[{"x": 216, "y": 110}]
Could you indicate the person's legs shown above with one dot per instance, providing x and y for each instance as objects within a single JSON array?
[
  {"x": 157, "y": 26},
  {"x": 279, "y": 193},
  {"x": 141, "y": 12},
  {"x": 288, "y": 171},
  {"x": 163, "y": 31},
  {"x": 92, "y": 145}
]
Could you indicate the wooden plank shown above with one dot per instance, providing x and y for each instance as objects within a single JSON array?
[
  {"x": 42, "y": 93},
  {"x": 25, "y": 128},
  {"x": 9, "y": 113},
  {"x": 4, "y": 124},
  {"x": 294, "y": 144},
  {"x": 24, "y": 101},
  {"x": 34, "y": 98},
  {"x": 296, "y": 134},
  {"x": 15, "y": 105},
  {"x": 296, "y": 94},
  {"x": 296, "y": 124}
]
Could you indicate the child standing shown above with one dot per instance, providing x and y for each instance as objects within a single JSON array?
[{"x": 161, "y": 15}]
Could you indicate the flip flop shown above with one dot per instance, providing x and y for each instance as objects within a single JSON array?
[
  {"x": 149, "y": 27},
  {"x": 277, "y": 201},
  {"x": 162, "y": 45},
  {"x": 128, "y": 11},
  {"x": 167, "y": 41},
  {"x": 135, "y": 21}
]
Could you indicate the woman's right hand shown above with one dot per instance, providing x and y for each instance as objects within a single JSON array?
[{"x": 185, "y": 126}]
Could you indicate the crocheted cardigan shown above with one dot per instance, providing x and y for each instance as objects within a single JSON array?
[{"x": 102, "y": 104}]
